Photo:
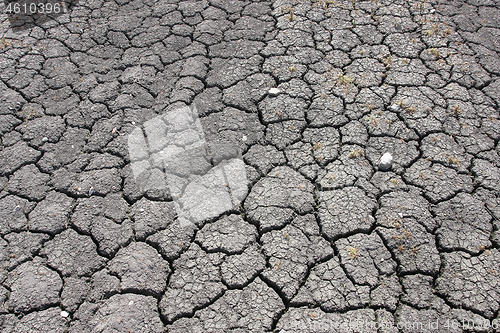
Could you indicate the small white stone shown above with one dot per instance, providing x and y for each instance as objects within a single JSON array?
[
  {"x": 64, "y": 314},
  {"x": 400, "y": 214},
  {"x": 274, "y": 91},
  {"x": 133, "y": 123},
  {"x": 45, "y": 139},
  {"x": 244, "y": 138},
  {"x": 131, "y": 303},
  {"x": 385, "y": 162},
  {"x": 394, "y": 107},
  {"x": 432, "y": 10}
]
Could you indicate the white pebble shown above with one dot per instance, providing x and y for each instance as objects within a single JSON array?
[
  {"x": 385, "y": 162},
  {"x": 64, "y": 314},
  {"x": 394, "y": 107},
  {"x": 244, "y": 138},
  {"x": 131, "y": 303},
  {"x": 432, "y": 10},
  {"x": 274, "y": 91},
  {"x": 45, "y": 139}
]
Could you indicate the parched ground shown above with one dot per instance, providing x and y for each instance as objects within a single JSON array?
[{"x": 313, "y": 237}]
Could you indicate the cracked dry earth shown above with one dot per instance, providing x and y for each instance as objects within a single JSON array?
[{"x": 323, "y": 237}]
